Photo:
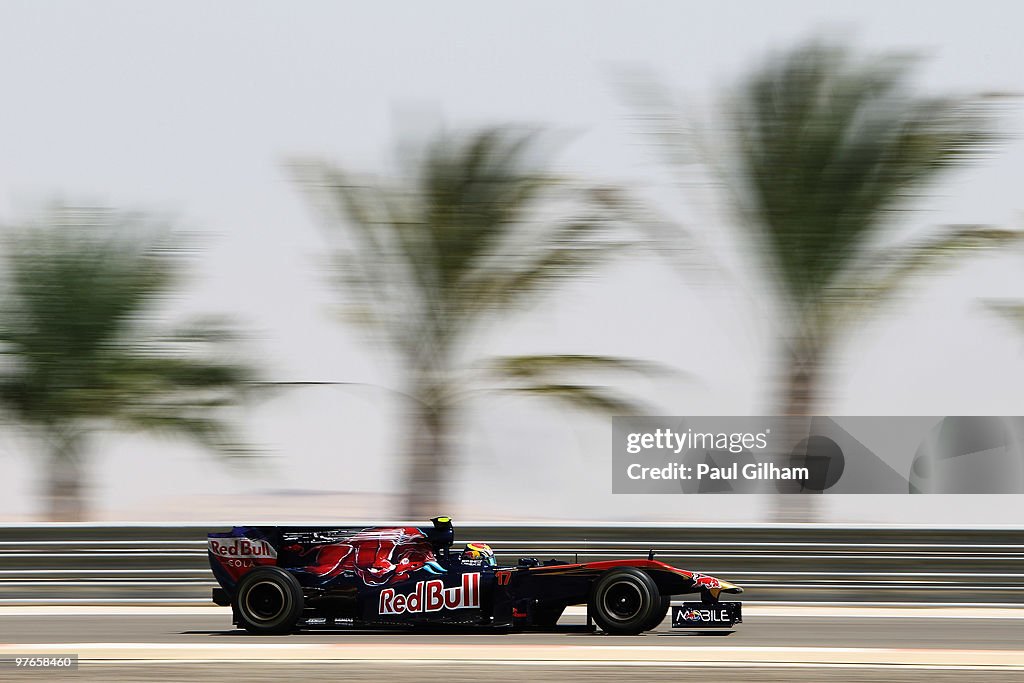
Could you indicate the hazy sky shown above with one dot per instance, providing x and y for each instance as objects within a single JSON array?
[{"x": 189, "y": 108}]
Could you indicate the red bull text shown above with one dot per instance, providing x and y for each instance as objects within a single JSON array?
[{"x": 432, "y": 596}]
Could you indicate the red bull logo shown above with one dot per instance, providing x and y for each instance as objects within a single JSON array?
[
  {"x": 241, "y": 548},
  {"x": 706, "y": 582},
  {"x": 432, "y": 596},
  {"x": 239, "y": 555}
]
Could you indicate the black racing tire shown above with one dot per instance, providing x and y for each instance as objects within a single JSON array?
[
  {"x": 268, "y": 601},
  {"x": 658, "y": 614},
  {"x": 624, "y": 601}
]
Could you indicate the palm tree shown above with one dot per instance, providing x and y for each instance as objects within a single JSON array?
[
  {"x": 80, "y": 350},
  {"x": 818, "y": 152},
  {"x": 473, "y": 228}
]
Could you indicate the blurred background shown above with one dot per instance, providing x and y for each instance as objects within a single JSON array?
[{"x": 331, "y": 261}]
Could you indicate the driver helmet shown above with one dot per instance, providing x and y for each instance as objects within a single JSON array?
[{"x": 479, "y": 553}]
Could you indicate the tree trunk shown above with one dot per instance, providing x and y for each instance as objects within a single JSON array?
[
  {"x": 65, "y": 500},
  {"x": 802, "y": 386},
  {"x": 427, "y": 462},
  {"x": 803, "y": 374}
]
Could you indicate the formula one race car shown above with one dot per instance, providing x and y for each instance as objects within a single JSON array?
[{"x": 280, "y": 579}]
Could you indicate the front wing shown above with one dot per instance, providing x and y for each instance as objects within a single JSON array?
[{"x": 702, "y": 615}]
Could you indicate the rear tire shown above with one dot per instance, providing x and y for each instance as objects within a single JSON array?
[
  {"x": 625, "y": 601},
  {"x": 268, "y": 601}
]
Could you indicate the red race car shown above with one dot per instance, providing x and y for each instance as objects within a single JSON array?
[{"x": 280, "y": 579}]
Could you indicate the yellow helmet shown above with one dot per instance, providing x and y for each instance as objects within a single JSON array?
[{"x": 478, "y": 553}]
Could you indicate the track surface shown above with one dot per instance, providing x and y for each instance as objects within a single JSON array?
[
  {"x": 484, "y": 673},
  {"x": 852, "y": 632},
  {"x": 901, "y": 646}
]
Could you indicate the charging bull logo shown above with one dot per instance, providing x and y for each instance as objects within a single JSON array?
[
  {"x": 377, "y": 556},
  {"x": 691, "y": 615},
  {"x": 706, "y": 582},
  {"x": 432, "y": 596}
]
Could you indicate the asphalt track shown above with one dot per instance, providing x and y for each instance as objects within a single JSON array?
[{"x": 773, "y": 643}]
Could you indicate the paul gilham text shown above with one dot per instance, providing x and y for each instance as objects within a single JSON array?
[{"x": 763, "y": 471}]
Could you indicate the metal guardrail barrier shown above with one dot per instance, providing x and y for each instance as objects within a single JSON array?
[{"x": 164, "y": 564}]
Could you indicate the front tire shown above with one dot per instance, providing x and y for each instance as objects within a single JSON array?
[
  {"x": 268, "y": 601},
  {"x": 659, "y": 613},
  {"x": 625, "y": 601}
]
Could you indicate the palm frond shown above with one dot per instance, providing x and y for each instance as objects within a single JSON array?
[
  {"x": 877, "y": 278},
  {"x": 589, "y": 398},
  {"x": 78, "y": 279},
  {"x": 78, "y": 344},
  {"x": 552, "y": 376},
  {"x": 473, "y": 225},
  {"x": 1012, "y": 311},
  {"x": 529, "y": 367},
  {"x": 829, "y": 144},
  {"x": 535, "y": 263},
  {"x": 214, "y": 434},
  {"x": 818, "y": 147}
]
